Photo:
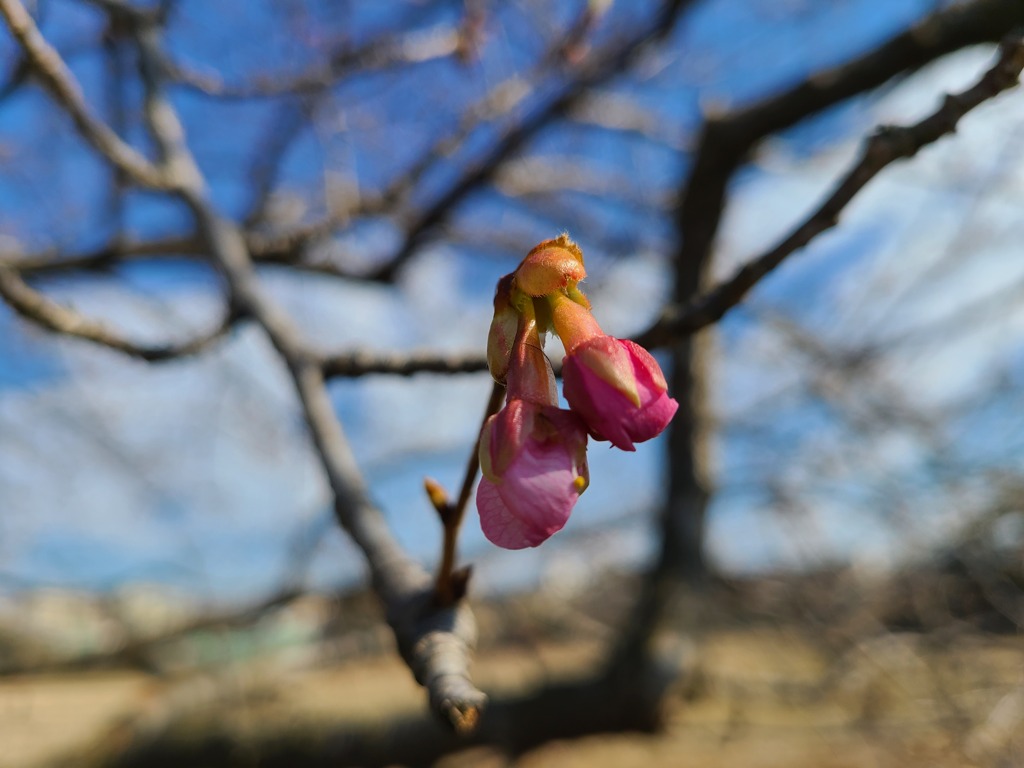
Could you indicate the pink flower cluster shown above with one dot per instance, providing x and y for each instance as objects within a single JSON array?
[{"x": 534, "y": 454}]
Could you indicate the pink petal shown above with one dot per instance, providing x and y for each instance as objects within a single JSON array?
[
  {"x": 540, "y": 489},
  {"x": 534, "y": 485},
  {"x": 499, "y": 525},
  {"x": 607, "y": 359},
  {"x": 644, "y": 364},
  {"x": 653, "y": 418},
  {"x": 510, "y": 428},
  {"x": 609, "y": 414},
  {"x": 601, "y": 405}
]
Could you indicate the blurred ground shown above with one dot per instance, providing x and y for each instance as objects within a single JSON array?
[{"x": 766, "y": 694}]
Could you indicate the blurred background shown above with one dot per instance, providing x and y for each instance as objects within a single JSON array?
[{"x": 824, "y": 558}]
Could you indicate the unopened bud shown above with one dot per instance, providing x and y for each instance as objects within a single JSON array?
[
  {"x": 553, "y": 265},
  {"x": 437, "y": 495},
  {"x": 503, "y": 330}
]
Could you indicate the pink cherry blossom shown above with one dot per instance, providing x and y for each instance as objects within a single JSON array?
[
  {"x": 534, "y": 463},
  {"x": 618, "y": 389}
]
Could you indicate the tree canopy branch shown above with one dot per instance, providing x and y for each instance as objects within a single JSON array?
[
  {"x": 887, "y": 145},
  {"x": 61, "y": 84},
  {"x": 363, "y": 362},
  {"x": 436, "y": 642},
  {"x": 728, "y": 138},
  {"x": 42, "y": 311},
  {"x": 416, "y": 48},
  {"x": 600, "y": 66}
]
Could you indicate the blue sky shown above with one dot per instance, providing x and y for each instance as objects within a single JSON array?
[{"x": 198, "y": 473}]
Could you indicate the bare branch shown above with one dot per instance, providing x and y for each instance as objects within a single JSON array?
[
  {"x": 49, "y": 262},
  {"x": 887, "y": 145},
  {"x": 45, "y": 313},
  {"x": 727, "y": 139},
  {"x": 435, "y": 642},
  {"x": 274, "y": 250},
  {"x": 450, "y": 585},
  {"x": 724, "y": 145},
  {"x": 287, "y": 248},
  {"x": 501, "y": 99},
  {"x": 598, "y": 67},
  {"x": 416, "y": 48},
  {"x": 61, "y": 84},
  {"x": 364, "y": 363},
  {"x": 117, "y": 251}
]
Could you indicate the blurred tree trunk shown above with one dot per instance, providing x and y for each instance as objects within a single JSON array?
[
  {"x": 701, "y": 201},
  {"x": 689, "y": 459},
  {"x": 681, "y": 527}
]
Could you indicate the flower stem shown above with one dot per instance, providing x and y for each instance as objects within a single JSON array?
[
  {"x": 450, "y": 584},
  {"x": 573, "y": 322}
]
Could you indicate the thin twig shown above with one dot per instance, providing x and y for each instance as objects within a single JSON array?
[
  {"x": 498, "y": 102},
  {"x": 450, "y": 585},
  {"x": 271, "y": 250},
  {"x": 599, "y": 66},
  {"x": 118, "y": 250},
  {"x": 363, "y": 363},
  {"x": 415, "y": 48},
  {"x": 57, "y": 78},
  {"x": 436, "y": 642},
  {"x": 48, "y": 314}
]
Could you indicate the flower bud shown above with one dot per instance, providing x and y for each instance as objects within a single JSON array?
[
  {"x": 503, "y": 330},
  {"x": 534, "y": 461},
  {"x": 618, "y": 389},
  {"x": 553, "y": 265}
]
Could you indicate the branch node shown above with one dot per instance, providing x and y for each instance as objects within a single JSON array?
[{"x": 460, "y": 581}]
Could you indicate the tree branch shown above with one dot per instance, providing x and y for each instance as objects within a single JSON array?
[
  {"x": 364, "y": 363},
  {"x": 887, "y": 145},
  {"x": 435, "y": 642},
  {"x": 600, "y": 66},
  {"x": 450, "y": 584},
  {"x": 51, "y": 316},
  {"x": 415, "y": 48},
  {"x": 287, "y": 248},
  {"x": 263, "y": 249},
  {"x": 724, "y": 145},
  {"x": 61, "y": 84},
  {"x": 727, "y": 139}
]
